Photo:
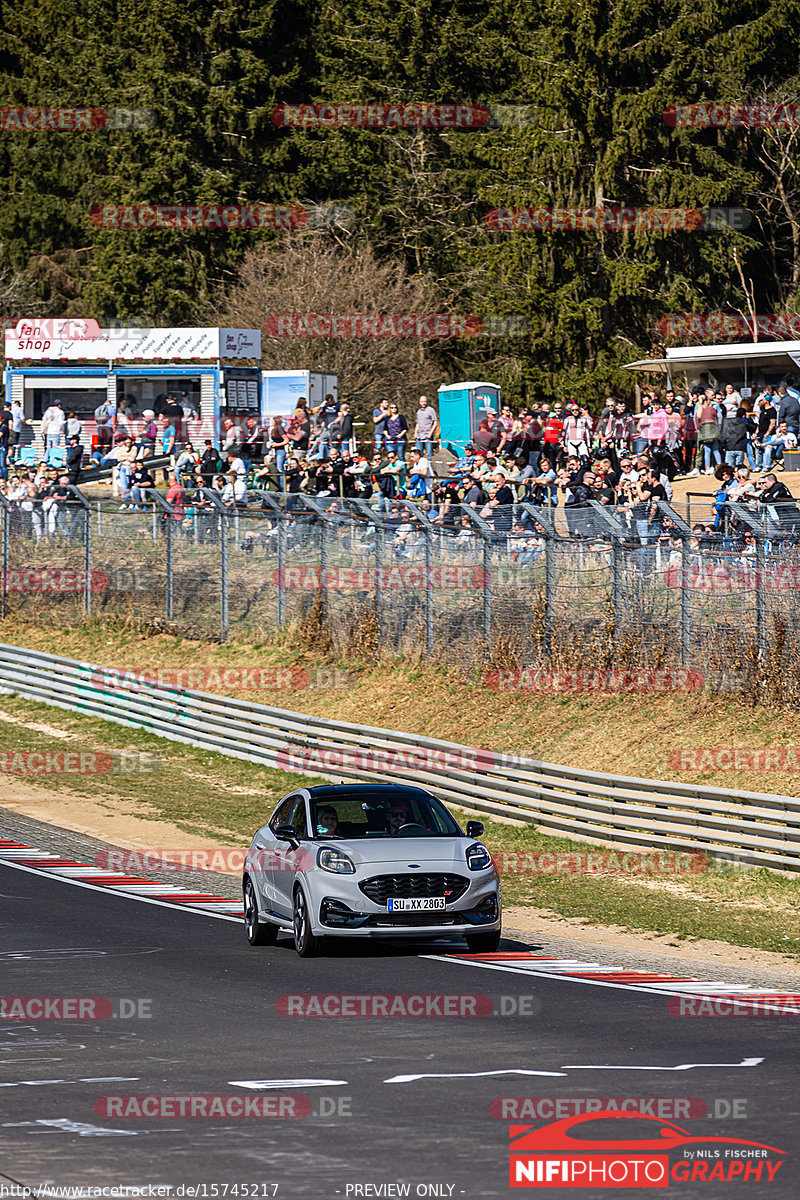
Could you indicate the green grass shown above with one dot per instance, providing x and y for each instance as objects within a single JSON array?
[{"x": 206, "y": 793}]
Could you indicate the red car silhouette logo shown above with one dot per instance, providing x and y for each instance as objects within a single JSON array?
[{"x": 566, "y": 1154}]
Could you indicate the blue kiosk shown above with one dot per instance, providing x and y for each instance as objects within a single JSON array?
[{"x": 462, "y": 407}]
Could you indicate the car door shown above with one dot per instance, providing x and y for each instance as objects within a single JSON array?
[
  {"x": 268, "y": 852},
  {"x": 288, "y": 860}
]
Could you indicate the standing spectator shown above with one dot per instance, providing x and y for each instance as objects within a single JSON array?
[
  {"x": 425, "y": 427},
  {"x": 731, "y": 400},
  {"x": 734, "y": 437},
  {"x": 341, "y": 427},
  {"x": 553, "y": 429},
  {"x": 396, "y": 432},
  {"x": 380, "y": 416},
  {"x": 327, "y": 410},
  {"x": 73, "y": 426},
  {"x": 5, "y": 433},
  {"x": 149, "y": 433},
  {"x": 501, "y": 501},
  {"x": 53, "y": 425},
  {"x": 299, "y": 429},
  {"x": 708, "y": 418},
  {"x": 74, "y": 460},
  {"x": 168, "y": 437},
  {"x": 577, "y": 431},
  {"x": 788, "y": 408},
  {"x": 252, "y": 448},
  {"x": 175, "y": 496},
  {"x": 278, "y": 442},
  {"x": 209, "y": 463},
  {"x": 767, "y": 423},
  {"x": 17, "y": 415},
  {"x": 232, "y": 435},
  {"x": 106, "y": 417}
]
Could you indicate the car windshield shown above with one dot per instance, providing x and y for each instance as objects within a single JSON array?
[{"x": 380, "y": 816}]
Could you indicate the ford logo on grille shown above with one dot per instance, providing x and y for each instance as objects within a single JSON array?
[{"x": 413, "y": 864}]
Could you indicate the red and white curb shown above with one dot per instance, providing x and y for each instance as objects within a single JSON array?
[
  {"x": 70, "y": 870},
  {"x": 597, "y": 975}
]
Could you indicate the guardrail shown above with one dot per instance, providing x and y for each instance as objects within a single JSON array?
[{"x": 757, "y": 828}]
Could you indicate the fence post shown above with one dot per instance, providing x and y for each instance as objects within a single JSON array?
[
  {"x": 686, "y": 612},
  {"x": 761, "y": 597},
  {"x": 6, "y": 558},
  {"x": 281, "y": 568},
  {"x": 323, "y": 568},
  {"x": 379, "y": 555},
  {"x": 487, "y": 590},
  {"x": 549, "y": 593},
  {"x": 428, "y": 589},
  {"x": 87, "y": 559},
  {"x": 169, "y": 531},
  {"x": 223, "y": 562}
]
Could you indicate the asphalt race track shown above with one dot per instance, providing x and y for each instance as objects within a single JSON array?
[{"x": 206, "y": 1022}]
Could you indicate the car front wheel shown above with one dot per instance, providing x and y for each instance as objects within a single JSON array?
[
  {"x": 257, "y": 934},
  {"x": 305, "y": 943}
]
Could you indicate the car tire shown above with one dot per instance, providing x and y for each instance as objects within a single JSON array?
[
  {"x": 483, "y": 943},
  {"x": 257, "y": 934},
  {"x": 305, "y": 942}
]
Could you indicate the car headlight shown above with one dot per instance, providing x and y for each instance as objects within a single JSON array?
[
  {"x": 478, "y": 857},
  {"x": 331, "y": 859}
]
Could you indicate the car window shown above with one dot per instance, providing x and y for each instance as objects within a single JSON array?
[
  {"x": 391, "y": 814},
  {"x": 282, "y": 812},
  {"x": 298, "y": 818}
]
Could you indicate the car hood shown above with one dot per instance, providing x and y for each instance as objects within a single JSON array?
[{"x": 427, "y": 853}]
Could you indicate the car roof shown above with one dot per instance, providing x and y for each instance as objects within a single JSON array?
[{"x": 331, "y": 791}]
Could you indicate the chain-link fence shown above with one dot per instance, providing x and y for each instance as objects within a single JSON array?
[{"x": 513, "y": 586}]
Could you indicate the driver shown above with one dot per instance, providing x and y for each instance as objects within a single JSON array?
[
  {"x": 396, "y": 817},
  {"x": 327, "y": 822}
]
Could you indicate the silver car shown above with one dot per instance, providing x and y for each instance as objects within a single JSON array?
[{"x": 369, "y": 861}]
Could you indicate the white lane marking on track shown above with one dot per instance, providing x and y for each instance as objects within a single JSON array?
[
  {"x": 89, "y": 1079},
  {"x": 263, "y": 1084},
  {"x": 669, "y": 989},
  {"x": 746, "y": 1062},
  {"x": 80, "y": 1127},
  {"x": 470, "y": 1075},
  {"x": 93, "y": 887}
]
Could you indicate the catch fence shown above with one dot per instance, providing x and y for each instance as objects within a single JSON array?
[{"x": 511, "y": 586}]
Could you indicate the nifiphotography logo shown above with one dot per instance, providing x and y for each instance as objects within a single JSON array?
[{"x": 615, "y": 1149}]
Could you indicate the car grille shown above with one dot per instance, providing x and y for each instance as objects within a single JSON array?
[
  {"x": 381, "y": 887},
  {"x": 427, "y": 920}
]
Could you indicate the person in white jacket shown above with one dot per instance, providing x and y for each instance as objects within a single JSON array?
[{"x": 53, "y": 421}]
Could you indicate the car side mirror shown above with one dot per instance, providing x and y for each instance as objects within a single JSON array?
[
  {"x": 287, "y": 833},
  {"x": 474, "y": 828}
]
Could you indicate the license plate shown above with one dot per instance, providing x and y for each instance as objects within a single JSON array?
[{"x": 416, "y": 904}]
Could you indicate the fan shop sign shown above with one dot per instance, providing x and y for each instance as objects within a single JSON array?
[{"x": 734, "y": 577}]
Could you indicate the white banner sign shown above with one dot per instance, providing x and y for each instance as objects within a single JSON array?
[{"x": 56, "y": 340}]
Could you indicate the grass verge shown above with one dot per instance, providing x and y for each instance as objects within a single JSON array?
[{"x": 206, "y": 793}]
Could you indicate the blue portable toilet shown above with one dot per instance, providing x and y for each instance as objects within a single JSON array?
[{"x": 462, "y": 407}]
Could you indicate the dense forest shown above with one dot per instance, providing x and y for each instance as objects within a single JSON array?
[{"x": 592, "y": 82}]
